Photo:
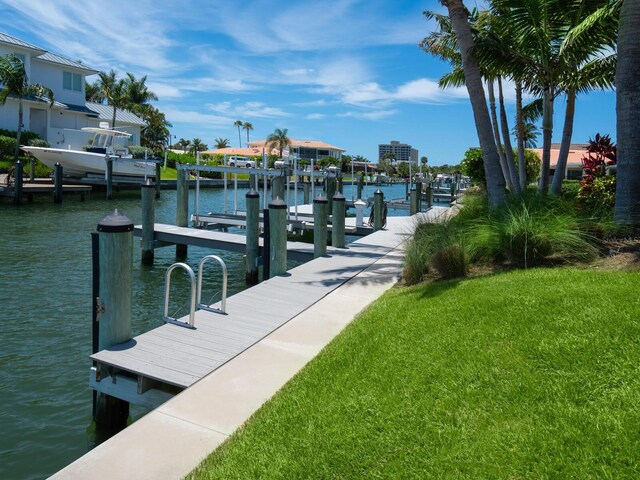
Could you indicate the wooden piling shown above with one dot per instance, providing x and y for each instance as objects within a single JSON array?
[
  {"x": 252, "y": 251},
  {"x": 378, "y": 205},
  {"x": 32, "y": 169},
  {"x": 182, "y": 208},
  {"x": 115, "y": 239},
  {"x": 412, "y": 202},
  {"x": 429, "y": 195},
  {"x": 148, "y": 221},
  {"x": 320, "y": 214},
  {"x": 360, "y": 186},
  {"x": 18, "y": 182},
  {"x": 337, "y": 222},
  {"x": 453, "y": 192},
  {"x": 330, "y": 191},
  {"x": 277, "y": 187},
  {"x": 305, "y": 193},
  {"x": 418, "y": 195},
  {"x": 158, "y": 178},
  {"x": 278, "y": 234},
  {"x": 406, "y": 189},
  {"x": 57, "y": 183},
  {"x": 109, "y": 178}
]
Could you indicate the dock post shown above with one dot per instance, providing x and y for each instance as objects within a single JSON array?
[
  {"x": 109, "y": 178},
  {"x": 252, "y": 231},
  {"x": 320, "y": 214},
  {"x": 278, "y": 233},
  {"x": 406, "y": 189},
  {"x": 378, "y": 203},
  {"x": 32, "y": 169},
  {"x": 360, "y": 186},
  {"x": 277, "y": 187},
  {"x": 57, "y": 183},
  {"x": 359, "y": 204},
  {"x": 115, "y": 245},
  {"x": 339, "y": 185},
  {"x": 337, "y": 222},
  {"x": 17, "y": 190},
  {"x": 148, "y": 222},
  {"x": 453, "y": 192},
  {"x": 429, "y": 195},
  {"x": 331, "y": 191},
  {"x": 305, "y": 193},
  {"x": 418, "y": 195},
  {"x": 158, "y": 178},
  {"x": 182, "y": 208},
  {"x": 412, "y": 202}
]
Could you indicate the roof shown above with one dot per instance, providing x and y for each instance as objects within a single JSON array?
[
  {"x": 5, "y": 38},
  {"x": 42, "y": 54},
  {"x": 81, "y": 109},
  {"x": 573, "y": 160},
  {"x": 105, "y": 112},
  {"x": 301, "y": 144},
  {"x": 245, "y": 152}
]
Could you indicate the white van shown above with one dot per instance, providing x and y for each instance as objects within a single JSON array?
[{"x": 243, "y": 162}]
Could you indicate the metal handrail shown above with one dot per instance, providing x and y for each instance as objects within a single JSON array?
[
  {"x": 223, "y": 302},
  {"x": 167, "y": 288}
]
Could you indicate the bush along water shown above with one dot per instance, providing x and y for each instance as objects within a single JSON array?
[{"x": 530, "y": 231}]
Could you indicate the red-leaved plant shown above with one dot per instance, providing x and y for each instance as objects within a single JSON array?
[{"x": 601, "y": 152}]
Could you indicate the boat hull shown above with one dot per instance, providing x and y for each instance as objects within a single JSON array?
[{"x": 79, "y": 163}]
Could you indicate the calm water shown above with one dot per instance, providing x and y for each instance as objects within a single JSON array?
[{"x": 45, "y": 304}]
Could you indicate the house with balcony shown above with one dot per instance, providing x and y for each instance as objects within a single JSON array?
[
  {"x": 305, "y": 149},
  {"x": 61, "y": 123}
]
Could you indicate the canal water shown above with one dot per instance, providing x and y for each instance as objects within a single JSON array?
[{"x": 45, "y": 307}]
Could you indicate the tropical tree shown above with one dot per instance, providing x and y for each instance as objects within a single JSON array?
[
  {"x": 239, "y": 124},
  {"x": 92, "y": 92},
  {"x": 113, "y": 91},
  {"x": 627, "y": 206},
  {"x": 137, "y": 93},
  {"x": 155, "y": 133},
  {"x": 197, "y": 146},
  {"x": 247, "y": 126},
  {"x": 14, "y": 82},
  {"x": 278, "y": 140},
  {"x": 458, "y": 13},
  {"x": 221, "y": 143}
]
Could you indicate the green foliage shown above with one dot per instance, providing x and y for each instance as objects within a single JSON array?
[
  {"x": 570, "y": 189},
  {"x": 451, "y": 261},
  {"x": 139, "y": 152},
  {"x": 600, "y": 194},
  {"x": 473, "y": 167},
  {"x": 25, "y": 136},
  {"x": 7, "y": 146},
  {"x": 38, "y": 142}
]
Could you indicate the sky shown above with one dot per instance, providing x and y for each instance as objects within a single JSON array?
[{"x": 346, "y": 72}]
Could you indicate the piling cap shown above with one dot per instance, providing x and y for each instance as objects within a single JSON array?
[
  {"x": 277, "y": 204},
  {"x": 378, "y": 192},
  {"x": 148, "y": 184},
  {"x": 115, "y": 222},
  {"x": 252, "y": 194},
  {"x": 338, "y": 197},
  {"x": 320, "y": 199}
]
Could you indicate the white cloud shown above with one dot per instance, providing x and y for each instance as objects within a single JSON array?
[
  {"x": 176, "y": 114},
  {"x": 248, "y": 109},
  {"x": 315, "y": 116},
  {"x": 374, "y": 115}
]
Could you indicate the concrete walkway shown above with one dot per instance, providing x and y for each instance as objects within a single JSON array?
[{"x": 170, "y": 441}]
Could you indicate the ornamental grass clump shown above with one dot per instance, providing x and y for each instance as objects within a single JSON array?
[{"x": 451, "y": 261}]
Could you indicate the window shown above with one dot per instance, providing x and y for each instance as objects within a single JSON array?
[{"x": 72, "y": 81}]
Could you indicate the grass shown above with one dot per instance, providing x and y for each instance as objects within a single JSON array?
[{"x": 526, "y": 374}]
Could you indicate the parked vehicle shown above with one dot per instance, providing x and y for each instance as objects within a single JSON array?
[{"x": 243, "y": 162}]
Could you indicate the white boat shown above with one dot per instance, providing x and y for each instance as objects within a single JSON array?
[{"x": 79, "y": 163}]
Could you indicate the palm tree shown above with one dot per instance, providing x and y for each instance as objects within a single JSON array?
[
  {"x": 137, "y": 93},
  {"x": 221, "y": 143},
  {"x": 156, "y": 132},
  {"x": 197, "y": 146},
  {"x": 239, "y": 124},
  {"x": 278, "y": 140},
  {"x": 15, "y": 82},
  {"x": 473, "y": 79},
  {"x": 627, "y": 206},
  {"x": 247, "y": 126},
  {"x": 113, "y": 91},
  {"x": 92, "y": 92}
]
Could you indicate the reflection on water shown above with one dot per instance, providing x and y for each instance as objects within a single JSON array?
[{"x": 45, "y": 300}]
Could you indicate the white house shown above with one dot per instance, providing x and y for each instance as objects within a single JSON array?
[{"x": 59, "y": 124}]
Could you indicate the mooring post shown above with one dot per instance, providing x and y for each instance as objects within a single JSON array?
[
  {"x": 331, "y": 191},
  {"x": 278, "y": 233},
  {"x": 305, "y": 193},
  {"x": 320, "y": 214},
  {"x": 429, "y": 195},
  {"x": 277, "y": 187},
  {"x": 158, "y": 178},
  {"x": 418, "y": 195},
  {"x": 32, "y": 169},
  {"x": 109, "y": 177},
  {"x": 339, "y": 184},
  {"x": 359, "y": 204},
  {"x": 252, "y": 251},
  {"x": 412, "y": 202},
  {"x": 378, "y": 205},
  {"x": 57, "y": 183},
  {"x": 360, "y": 186},
  {"x": 115, "y": 244},
  {"x": 148, "y": 221},
  {"x": 182, "y": 208},
  {"x": 17, "y": 188},
  {"x": 453, "y": 192},
  {"x": 337, "y": 222}
]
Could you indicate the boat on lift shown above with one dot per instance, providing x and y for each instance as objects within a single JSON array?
[{"x": 107, "y": 143}]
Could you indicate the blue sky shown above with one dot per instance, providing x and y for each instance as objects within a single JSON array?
[{"x": 347, "y": 72}]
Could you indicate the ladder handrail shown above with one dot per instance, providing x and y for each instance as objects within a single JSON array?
[
  {"x": 167, "y": 288},
  {"x": 223, "y": 302}
]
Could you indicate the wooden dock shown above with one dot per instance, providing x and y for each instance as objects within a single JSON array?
[
  {"x": 151, "y": 367},
  {"x": 41, "y": 188}
]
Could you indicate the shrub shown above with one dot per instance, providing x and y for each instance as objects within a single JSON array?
[
  {"x": 38, "y": 142},
  {"x": 472, "y": 165},
  {"x": 451, "y": 261},
  {"x": 139, "y": 152},
  {"x": 570, "y": 189},
  {"x": 25, "y": 136},
  {"x": 7, "y": 146}
]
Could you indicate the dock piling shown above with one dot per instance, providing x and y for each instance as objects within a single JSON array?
[
  {"x": 148, "y": 221},
  {"x": 418, "y": 195},
  {"x": 158, "y": 178},
  {"x": 278, "y": 237},
  {"x": 429, "y": 195},
  {"x": 32, "y": 169},
  {"x": 17, "y": 192},
  {"x": 109, "y": 177},
  {"x": 320, "y": 214},
  {"x": 360, "y": 186},
  {"x": 337, "y": 222},
  {"x": 305, "y": 193},
  {"x": 57, "y": 183},
  {"x": 330, "y": 191},
  {"x": 252, "y": 251},
  {"x": 412, "y": 202},
  {"x": 182, "y": 208},
  {"x": 378, "y": 205}
]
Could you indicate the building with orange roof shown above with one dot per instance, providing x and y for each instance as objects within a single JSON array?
[
  {"x": 573, "y": 170},
  {"x": 307, "y": 149},
  {"x": 241, "y": 152}
]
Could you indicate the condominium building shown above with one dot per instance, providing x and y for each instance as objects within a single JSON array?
[{"x": 401, "y": 152}]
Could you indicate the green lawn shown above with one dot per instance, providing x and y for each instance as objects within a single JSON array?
[{"x": 528, "y": 374}]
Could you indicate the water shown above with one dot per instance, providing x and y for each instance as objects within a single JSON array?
[{"x": 45, "y": 303}]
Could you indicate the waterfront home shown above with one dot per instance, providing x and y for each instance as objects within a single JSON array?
[
  {"x": 61, "y": 123},
  {"x": 573, "y": 170},
  {"x": 306, "y": 149}
]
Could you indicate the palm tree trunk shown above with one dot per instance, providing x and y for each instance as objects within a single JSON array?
[
  {"x": 473, "y": 79},
  {"x": 239, "y": 138},
  {"x": 496, "y": 132},
  {"x": 19, "y": 131},
  {"x": 547, "y": 129},
  {"x": 558, "y": 176},
  {"x": 522, "y": 167},
  {"x": 627, "y": 207},
  {"x": 511, "y": 166}
]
